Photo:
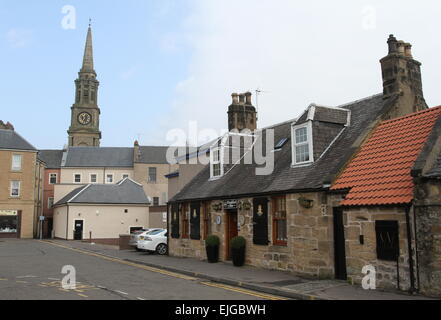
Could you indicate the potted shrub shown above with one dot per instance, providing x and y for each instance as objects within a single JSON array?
[
  {"x": 212, "y": 247},
  {"x": 238, "y": 251}
]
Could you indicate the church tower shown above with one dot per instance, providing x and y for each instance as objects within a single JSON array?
[{"x": 84, "y": 130}]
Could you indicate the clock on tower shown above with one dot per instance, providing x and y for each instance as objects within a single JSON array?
[{"x": 84, "y": 130}]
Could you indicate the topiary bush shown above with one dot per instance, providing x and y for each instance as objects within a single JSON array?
[
  {"x": 212, "y": 241},
  {"x": 238, "y": 242}
]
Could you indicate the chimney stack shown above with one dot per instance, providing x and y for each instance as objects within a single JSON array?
[
  {"x": 402, "y": 78},
  {"x": 136, "y": 152},
  {"x": 241, "y": 113},
  {"x": 7, "y": 126}
]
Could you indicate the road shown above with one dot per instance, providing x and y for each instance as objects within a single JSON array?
[{"x": 32, "y": 270}]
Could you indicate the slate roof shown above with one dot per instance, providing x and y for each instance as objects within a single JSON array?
[
  {"x": 78, "y": 157},
  {"x": 380, "y": 174},
  {"x": 153, "y": 155},
  {"x": 10, "y": 139},
  {"x": 125, "y": 192},
  {"x": 52, "y": 158},
  {"x": 242, "y": 180}
]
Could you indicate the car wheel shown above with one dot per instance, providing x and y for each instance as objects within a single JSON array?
[
  {"x": 139, "y": 250},
  {"x": 161, "y": 249}
]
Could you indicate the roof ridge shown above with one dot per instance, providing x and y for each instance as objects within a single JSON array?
[
  {"x": 359, "y": 100},
  {"x": 411, "y": 115}
]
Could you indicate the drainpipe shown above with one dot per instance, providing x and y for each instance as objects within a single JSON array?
[
  {"x": 409, "y": 248},
  {"x": 67, "y": 223},
  {"x": 416, "y": 249}
]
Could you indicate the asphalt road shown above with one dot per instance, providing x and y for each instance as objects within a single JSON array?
[{"x": 32, "y": 270}]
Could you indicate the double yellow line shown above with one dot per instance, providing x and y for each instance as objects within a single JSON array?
[{"x": 169, "y": 273}]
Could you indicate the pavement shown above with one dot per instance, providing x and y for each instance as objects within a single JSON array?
[
  {"x": 266, "y": 281},
  {"x": 32, "y": 270}
]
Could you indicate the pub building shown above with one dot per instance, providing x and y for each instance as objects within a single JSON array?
[{"x": 291, "y": 219}]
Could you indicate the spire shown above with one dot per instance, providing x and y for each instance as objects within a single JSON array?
[{"x": 88, "y": 53}]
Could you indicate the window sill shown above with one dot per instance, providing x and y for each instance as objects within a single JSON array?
[
  {"x": 280, "y": 244},
  {"x": 301, "y": 165}
]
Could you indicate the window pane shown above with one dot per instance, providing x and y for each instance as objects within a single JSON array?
[
  {"x": 16, "y": 162},
  {"x": 15, "y": 188},
  {"x": 77, "y": 178},
  {"x": 152, "y": 175},
  {"x": 302, "y": 153},
  {"x": 93, "y": 178},
  {"x": 216, "y": 170},
  {"x": 53, "y": 178},
  {"x": 109, "y": 178},
  {"x": 281, "y": 230},
  {"x": 301, "y": 135}
]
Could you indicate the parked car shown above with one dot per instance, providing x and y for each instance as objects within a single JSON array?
[
  {"x": 154, "y": 241},
  {"x": 136, "y": 236}
]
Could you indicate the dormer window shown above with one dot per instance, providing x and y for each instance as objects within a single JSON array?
[
  {"x": 302, "y": 144},
  {"x": 216, "y": 167}
]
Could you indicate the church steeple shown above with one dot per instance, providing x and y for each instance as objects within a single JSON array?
[
  {"x": 88, "y": 53},
  {"x": 84, "y": 129}
]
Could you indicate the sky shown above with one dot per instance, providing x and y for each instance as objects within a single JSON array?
[{"x": 165, "y": 64}]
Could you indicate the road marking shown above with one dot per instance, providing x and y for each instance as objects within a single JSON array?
[
  {"x": 21, "y": 282},
  {"x": 243, "y": 291},
  {"x": 26, "y": 277},
  {"x": 140, "y": 299},
  {"x": 124, "y": 293},
  {"x": 136, "y": 265},
  {"x": 83, "y": 295},
  {"x": 3, "y": 279},
  {"x": 168, "y": 273},
  {"x": 54, "y": 279}
]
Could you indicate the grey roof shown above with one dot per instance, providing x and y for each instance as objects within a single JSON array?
[
  {"x": 153, "y": 155},
  {"x": 78, "y": 157},
  {"x": 52, "y": 158},
  {"x": 242, "y": 180},
  {"x": 10, "y": 139},
  {"x": 125, "y": 192}
]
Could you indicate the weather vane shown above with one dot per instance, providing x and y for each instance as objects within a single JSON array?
[{"x": 90, "y": 22}]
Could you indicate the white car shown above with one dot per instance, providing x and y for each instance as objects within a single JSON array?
[
  {"x": 139, "y": 235},
  {"x": 154, "y": 241}
]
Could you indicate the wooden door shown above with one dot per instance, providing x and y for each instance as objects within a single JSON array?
[{"x": 232, "y": 231}]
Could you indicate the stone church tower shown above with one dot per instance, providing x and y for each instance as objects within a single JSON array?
[{"x": 84, "y": 130}]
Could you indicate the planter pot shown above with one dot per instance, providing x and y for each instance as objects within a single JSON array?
[
  {"x": 212, "y": 254},
  {"x": 238, "y": 255}
]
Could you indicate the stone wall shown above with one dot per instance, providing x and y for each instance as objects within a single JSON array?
[
  {"x": 428, "y": 226},
  {"x": 361, "y": 221},
  {"x": 309, "y": 251}
]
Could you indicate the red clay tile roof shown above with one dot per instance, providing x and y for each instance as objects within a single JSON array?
[{"x": 380, "y": 174}]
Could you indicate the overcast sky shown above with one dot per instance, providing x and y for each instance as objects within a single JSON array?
[{"x": 163, "y": 63}]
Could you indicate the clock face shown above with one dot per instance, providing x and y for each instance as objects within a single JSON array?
[{"x": 84, "y": 118}]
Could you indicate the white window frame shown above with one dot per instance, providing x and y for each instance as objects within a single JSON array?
[
  {"x": 17, "y": 169},
  {"x": 156, "y": 175},
  {"x": 308, "y": 126},
  {"x": 214, "y": 162},
  {"x": 11, "y": 188},
  {"x": 113, "y": 178},
  {"x": 48, "y": 202},
  {"x": 56, "y": 178},
  {"x": 77, "y": 174},
  {"x": 96, "y": 178}
]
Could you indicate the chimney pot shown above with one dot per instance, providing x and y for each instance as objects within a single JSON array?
[
  {"x": 392, "y": 42},
  {"x": 400, "y": 45},
  {"x": 242, "y": 98},
  {"x": 408, "y": 50},
  {"x": 248, "y": 96},
  {"x": 235, "y": 98}
]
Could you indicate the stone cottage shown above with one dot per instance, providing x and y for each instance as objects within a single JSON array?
[{"x": 289, "y": 217}]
